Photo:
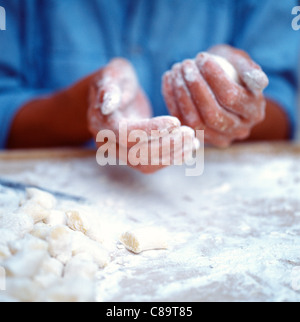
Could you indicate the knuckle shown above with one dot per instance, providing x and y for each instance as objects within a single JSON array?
[
  {"x": 230, "y": 98},
  {"x": 216, "y": 121}
]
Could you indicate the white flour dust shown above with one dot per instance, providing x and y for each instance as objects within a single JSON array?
[{"x": 235, "y": 231}]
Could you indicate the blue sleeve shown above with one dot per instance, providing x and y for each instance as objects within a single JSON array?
[
  {"x": 14, "y": 91},
  {"x": 264, "y": 30}
]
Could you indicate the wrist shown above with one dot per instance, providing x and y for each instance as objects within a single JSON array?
[{"x": 275, "y": 127}]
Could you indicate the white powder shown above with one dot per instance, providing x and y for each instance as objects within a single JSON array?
[{"x": 235, "y": 230}]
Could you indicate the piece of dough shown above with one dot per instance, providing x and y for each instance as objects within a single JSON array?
[
  {"x": 87, "y": 222},
  {"x": 51, "y": 266},
  {"x": 56, "y": 218},
  {"x": 25, "y": 263},
  {"x": 4, "y": 253},
  {"x": 228, "y": 68},
  {"x": 7, "y": 236},
  {"x": 70, "y": 290},
  {"x": 37, "y": 204},
  {"x": 146, "y": 238},
  {"x": 81, "y": 265},
  {"x": 22, "y": 289},
  {"x": 15, "y": 223},
  {"x": 41, "y": 231},
  {"x": 84, "y": 245},
  {"x": 28, "y": 243},
  {"x": 60, "y": 243},
  {"x": 49, "y": 273}
]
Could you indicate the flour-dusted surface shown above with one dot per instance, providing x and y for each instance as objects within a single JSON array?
[{"x": 234, "y": 232}]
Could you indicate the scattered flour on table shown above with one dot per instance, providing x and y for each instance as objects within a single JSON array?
[
  {"x": 51, "y": 252},
  {"x": 235, "y": 232}
]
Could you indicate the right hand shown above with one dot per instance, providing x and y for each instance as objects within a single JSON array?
[
  {"x": 204, "y": 96},
  {"x": 116, "y": 98}
]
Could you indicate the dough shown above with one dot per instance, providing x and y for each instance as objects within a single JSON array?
[
  {"x": 25, "y": 263},
  {"x": 146, "y": 238},
  {"x": 84, "y": 245},
  {"x": 28, "y": 243},
  {"x": 38, "y": 204},
  {"x": 17, "y": 224},
  {"x": 85, "y": 221},
  {"x": 56, "y": 218},
  {"x": 51, "y": 254},
  {"x": 228, "y": 68},
  {"x": 70, "y": 290},
  {"x": 60, "y": 243},
  {"x": 41, "y": 231},
  {"x": 4, "y": 253},
  {"x": 81, "y": 265}
]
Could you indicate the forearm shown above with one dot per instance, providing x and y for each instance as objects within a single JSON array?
[
  {"x": 57, "y": 120},
  {"x": 275, "y": 126}
]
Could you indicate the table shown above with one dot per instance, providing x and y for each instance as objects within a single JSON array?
[{"x": 234, "y": 231}]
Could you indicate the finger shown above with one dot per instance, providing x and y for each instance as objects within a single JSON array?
[
  {"x": 109, "y": 98},
  {"x": 117, "y": 86},
  {"x": 250, "y": 72},
  {"x": 174, "y": 148},
  {"x": 189, "y": 113},
  {"x": 212, "y": 113},
  {"x": 122, "y": 154},
  {"x": 126, "y": 79},
  {"x": 167, "y": 90},
  {"x": 140, "y": 107},
  {"x": 183, "y": 151},
  {"x": 183, "y": 97},
  {"x": 230, "y": 95},
  {"x": 211, "y": 136},
  {"x": 149, "y": 129}
]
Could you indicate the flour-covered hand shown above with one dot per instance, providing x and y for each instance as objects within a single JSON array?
[
  {"x": 220, "y": 91},
  {"x": 117, "y": 101}
]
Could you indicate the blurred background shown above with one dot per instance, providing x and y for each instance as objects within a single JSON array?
[{"x": 298, "y": 128}]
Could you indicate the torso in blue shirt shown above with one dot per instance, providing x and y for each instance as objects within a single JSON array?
[
  {"x": 73, "y": 37},
  {"x": 49, "y": 44}
]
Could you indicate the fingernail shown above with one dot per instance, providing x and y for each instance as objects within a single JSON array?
[
  {"x": 190, "y": 71},
  {"x": 111, "y": 100},
  {"x": 256, "y": 80}
]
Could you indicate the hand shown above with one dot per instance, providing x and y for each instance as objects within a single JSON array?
[
  {"x": 206, "y": 96},
  {"x": 116, "y": 100}
]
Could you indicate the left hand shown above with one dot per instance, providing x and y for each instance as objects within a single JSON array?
[
  {"x": 205, "y": 97},
  {"x": 117, "y": 102}
]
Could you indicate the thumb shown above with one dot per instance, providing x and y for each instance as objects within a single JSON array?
[
  {"x": 117, "y": 86},
  {"x": 153, "y": 128},
  {"x": 250, "y": 73}
]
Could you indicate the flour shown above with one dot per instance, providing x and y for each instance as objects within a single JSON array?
[
  {"x": 40, "y": 251},
  {"x": 227, "y": 67},
  {"x": 235, "y": 230},
  {"x": 144, "y": 238}
]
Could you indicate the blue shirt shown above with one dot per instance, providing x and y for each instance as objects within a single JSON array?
[{"x": 49, "y": 44}]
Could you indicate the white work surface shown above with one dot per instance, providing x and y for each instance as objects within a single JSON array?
[{"x": 234, "y": 231}]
